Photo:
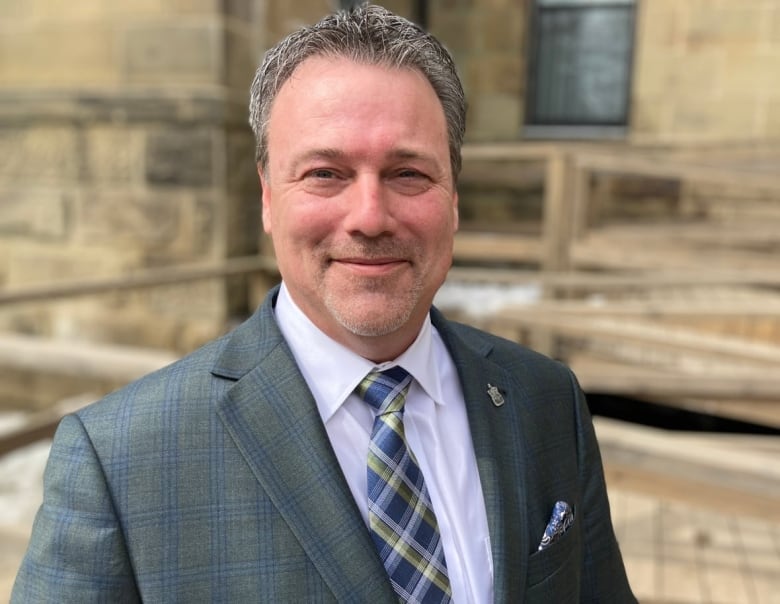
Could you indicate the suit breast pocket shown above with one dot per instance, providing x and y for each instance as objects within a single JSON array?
[{"x": 554, "y": 573}]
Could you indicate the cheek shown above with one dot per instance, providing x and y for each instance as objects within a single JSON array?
[{"x": 304, "y": 225}]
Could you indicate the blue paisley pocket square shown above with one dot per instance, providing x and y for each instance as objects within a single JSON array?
[{"x": 561, "y": 519}]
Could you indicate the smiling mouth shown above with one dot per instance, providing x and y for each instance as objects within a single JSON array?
[{"x": 371, "y": 267}]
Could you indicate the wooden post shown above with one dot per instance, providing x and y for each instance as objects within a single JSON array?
[
  {"x": 581, "y": 200},
  {"x": 557, "y": 213},
  {"x": 557, "y": 217}
]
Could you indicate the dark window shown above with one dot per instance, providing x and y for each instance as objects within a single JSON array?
[
  {"x": 419, "y": 10},
  {"x": 580, "y": 68}
]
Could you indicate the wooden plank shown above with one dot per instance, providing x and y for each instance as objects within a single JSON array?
[
  {"x": 489, "y": 247},
  {"x": 664, "y": 464},
  {"x": 602, "y": 251},
  {"x": 764, "y": 412},
  {"x": 511, "y": 247},
  {"x": 660, "y": 309},
  {"x": 647, "y": 334},
  {"x": 138, "y": 279},
  {"x": 508, "y": 151},
  {"x": 119, "y": 364},
  {"x": 40, "y": 425},
  {"x": 659, "y": 167},
  {"x": 637, "y": 384},
  {"x": 513, "y": 175}
]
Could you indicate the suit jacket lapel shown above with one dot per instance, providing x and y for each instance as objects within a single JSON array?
[
  {"x": 496, "y": 432},
  {"x": 273, "y": 420}
]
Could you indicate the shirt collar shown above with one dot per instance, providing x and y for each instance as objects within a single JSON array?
[{"x": 318, "y": 355}]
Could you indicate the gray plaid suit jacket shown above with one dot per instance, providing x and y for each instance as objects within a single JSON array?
[{"x": 213, "y": 480}]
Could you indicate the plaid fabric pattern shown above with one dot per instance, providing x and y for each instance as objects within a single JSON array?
[{"x": 401, "y": 518}]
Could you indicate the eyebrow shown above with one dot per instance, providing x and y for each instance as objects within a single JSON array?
[{"x": 337, "y": 154}]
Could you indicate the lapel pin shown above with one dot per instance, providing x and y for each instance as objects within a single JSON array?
[{"x": 495, "y": 395}]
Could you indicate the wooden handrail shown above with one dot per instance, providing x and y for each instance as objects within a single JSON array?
[{"x": 151, "y": 277}]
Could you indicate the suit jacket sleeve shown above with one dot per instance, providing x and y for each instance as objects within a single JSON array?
[{"x": 77, "y": 552}]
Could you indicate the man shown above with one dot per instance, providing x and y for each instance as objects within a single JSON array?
[{"x": 267, "y": 466}]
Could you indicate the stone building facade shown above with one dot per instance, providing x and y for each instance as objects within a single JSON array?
[{"x": 124, "y": 144}]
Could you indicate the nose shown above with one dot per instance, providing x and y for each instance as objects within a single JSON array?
[{"x": 368, "y": 207}]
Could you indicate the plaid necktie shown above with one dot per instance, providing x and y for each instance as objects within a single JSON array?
[{"x": 401, "y": 518}]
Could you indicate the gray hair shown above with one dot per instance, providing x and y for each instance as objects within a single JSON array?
[{"x": 366, "y": 34}]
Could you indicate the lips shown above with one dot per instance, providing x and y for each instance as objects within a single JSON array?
[{"x": 371, "y": 267}]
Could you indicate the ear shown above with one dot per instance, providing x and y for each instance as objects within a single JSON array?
[
  {"x": 455, "y": 215},
  {"x": 266, "y": 199}
]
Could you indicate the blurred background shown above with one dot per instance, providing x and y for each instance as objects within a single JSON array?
[{"x": 620, "y": 206}]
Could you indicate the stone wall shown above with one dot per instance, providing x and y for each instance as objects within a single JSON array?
[
  {"x": 704, "y": 70},
  {"x": 488, "y": 41},
  {"x": 707, "y": 71},
  {"x": 124, "y": 145}
]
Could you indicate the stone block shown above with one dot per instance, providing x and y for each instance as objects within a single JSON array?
[
  {"x": 44, "y": 155},
  {"x": 281, "y": 18},
  {"x": 455, "y": 32},
  {"x": 495, "y": 117},
  {"x": 51, "y": 54},
  {"x": 35, "y": 214},
  {"x": 725, "y": 25},
  {"x": 5, "y": 254},
  {"x": 136, "y": 323},
  {"x": 773, "y": 119},
  {"x": 242, "y": 10},
  {"x": 495, "y": 73},
  {"x": 694, "y": 76},
  {"x": 746, "y": 74},
  {"x": 449, "y": 5},
  {"x": 205, "y": 226},
  {"x": 242, "y": 202},
  {"x": 130, "y": 220},
  {"x": 211, "y": 7},
  {"x": 178, "y": 157},
  {"x": 654, "y": 73},
  {"x": 54, "y": 10},
  {"x": 501, "y": 31},
  {"x": 33, "y": 262},
  {"x": 173, "y": 53},
  {"x": 194, "y": 300},
  {"x": 240, "y": 62},
  {"x": 495, "y": 5},
  {"x": 649, "y": 116},
  {"x": 714, "y": 120},
  {"x": 239, "y": 162},
  {"x": 773, "y": 21},
  {"x": 658, "y": 31},
  {"x": 114, "y": 155}
]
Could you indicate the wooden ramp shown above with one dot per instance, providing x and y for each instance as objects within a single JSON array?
[
  {"x": 659, "y": 269},
  {"x": 677, "y": 553},
  {"x": 697, "y": 516}
]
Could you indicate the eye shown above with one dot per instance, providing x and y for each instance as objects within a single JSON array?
[
  {"x": 324, "y": 182},
  {"x": 409, "y": 181},
  {"x": 322, "y": 173}
]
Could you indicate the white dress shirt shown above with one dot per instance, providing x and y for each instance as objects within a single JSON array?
[{"x": 436, "y": 429}]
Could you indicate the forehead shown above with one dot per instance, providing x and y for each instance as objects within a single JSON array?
[
  {"x": 326, "y": 97},
  {"x": 319, "y": 72}
]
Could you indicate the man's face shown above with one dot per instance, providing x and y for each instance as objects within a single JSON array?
[{"x": 359, "y": 199}]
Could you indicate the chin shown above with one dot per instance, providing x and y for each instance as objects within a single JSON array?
[{"x": 376, "y": 321}]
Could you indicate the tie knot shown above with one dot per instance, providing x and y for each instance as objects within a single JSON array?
[{"x": 385, "y": 390}]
